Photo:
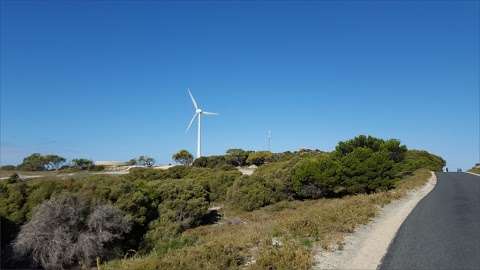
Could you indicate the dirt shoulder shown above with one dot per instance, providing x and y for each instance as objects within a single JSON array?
[{"x": 365, "y": 248}]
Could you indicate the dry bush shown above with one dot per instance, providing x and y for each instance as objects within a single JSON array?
[{"x": 65, "y": 230}]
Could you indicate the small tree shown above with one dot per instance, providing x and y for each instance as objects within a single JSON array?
[
  {"x": 34, "y": 162},
  {"x": 82, "y": 163},
  {"x": 53, "y": 162},
  {"x": 237, "y": 157},
  {"x": 38, "y": 162},
  {"x": 183, "y": 157},
  {"x": 146, "y": 161}
]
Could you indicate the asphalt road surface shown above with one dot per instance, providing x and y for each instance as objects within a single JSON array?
[{"x": 443, "y": 231}]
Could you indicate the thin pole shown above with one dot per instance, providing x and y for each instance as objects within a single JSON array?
[{"x": 199, "y": 137}]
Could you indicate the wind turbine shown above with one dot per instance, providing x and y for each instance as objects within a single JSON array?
[{"x": 198, "y": 113}]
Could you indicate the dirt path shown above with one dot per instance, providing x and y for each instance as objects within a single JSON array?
[{"x": 365, "y": 248}]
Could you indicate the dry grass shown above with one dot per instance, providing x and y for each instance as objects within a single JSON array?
[
  {"x": 4, "y": 173},
  {"x": 280, "y": 236},
  {"x": 475, "y": 170}
]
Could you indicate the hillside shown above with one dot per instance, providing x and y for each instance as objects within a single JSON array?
[{"x": 209, "y": 215}]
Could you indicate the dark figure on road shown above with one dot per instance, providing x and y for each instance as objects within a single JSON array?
[{"x": 446, "y": 169}]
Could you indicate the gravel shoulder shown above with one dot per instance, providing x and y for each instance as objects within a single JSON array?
[{"x": 365, "y": 248}]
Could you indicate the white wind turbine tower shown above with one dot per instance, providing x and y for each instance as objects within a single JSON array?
[{"x": 198, "y": 113}]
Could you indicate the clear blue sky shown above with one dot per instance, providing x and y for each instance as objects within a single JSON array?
[{"x": 108, "y": 81}]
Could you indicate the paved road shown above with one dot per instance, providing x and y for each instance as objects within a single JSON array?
[{"x": 443, "y": 231}]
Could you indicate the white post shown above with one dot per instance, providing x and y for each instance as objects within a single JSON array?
[{"x": 199, "y": 137}]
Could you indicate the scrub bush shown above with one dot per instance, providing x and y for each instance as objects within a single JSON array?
[
  {"x": 316, "y": 178},
  {"x": 182, "y": 205},
  {"x": 252, "y": 192},
  {"x": 416, "y": 159},
  {"x": 259, "y": 158},
  {"x": 211, "y": 162},
  {"x": 66, "y": 230}
]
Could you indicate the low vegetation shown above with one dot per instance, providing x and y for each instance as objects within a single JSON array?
[
  {"x": 475, "y": 169},
  {"x": 46, "y": 165},
  {"x": 280, "y": 236},
  {"x": 269, "y": 220}
]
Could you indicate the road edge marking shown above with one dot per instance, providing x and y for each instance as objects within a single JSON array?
[{"x": 473, "y": 173}]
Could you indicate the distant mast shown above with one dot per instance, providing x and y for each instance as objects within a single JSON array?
[{"x": 269, "y": 141}]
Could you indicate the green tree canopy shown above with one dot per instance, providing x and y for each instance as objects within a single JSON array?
[
  {"x": 146, "y": 161},
  {"x": 183, "y": 157},
  {"x": 393, "y": 147},
  {"x": 82, "y": 163},
  {"x": 39, "y": 162},
  {"x": 259, "y": 158},
  {"x": 237, "y": 157},
  {"x": 53, "y": 162}
]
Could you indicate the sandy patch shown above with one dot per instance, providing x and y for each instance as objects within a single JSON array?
[
  {"x": 365, "y": 248},
  {"x": 246, "y": 170}
]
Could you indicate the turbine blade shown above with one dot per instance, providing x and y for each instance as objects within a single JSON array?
[
  {"x": 210, "y": 113},
  {"x": 193, "y": 99},
  {"x": 191, "y": 122}
]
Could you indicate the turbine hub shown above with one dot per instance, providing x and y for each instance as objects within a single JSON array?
[{"x": 198, "y": 111}]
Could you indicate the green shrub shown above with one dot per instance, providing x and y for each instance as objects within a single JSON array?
[
  {"x": 361, "y": 165},
  {"x": 150, "y": 174},
  {"x": 12, "y": 200},
  {"x": 14, "y": 178},
  {"x": 237, "y": 157},
  {"x": 145, "y": 174},
  {"x": 184, "y": 202},
  {"x": 252, "y": 192},
  {"x": 416, "y": 159},
  {"x": 137, "y": 204},
  {"x": 182, "y": 205},
  {"x": 277, "y": 170},
  {"x": 217, "y": 183},
  {"x": 176, "y": 172},
  {"x": 364, "y": 171},
  {"x": 395, "y": 150},
  {"x": 259, "y": 158},
  {"x": 40, "y": 191},
  {"x": 285, "y": 156},
  {"x": 82, "y": 163},
  {"x": 316, "y": 178},
  {"x": 97, "y": 168},
  {"x": 210, "y": 162},
  {"x": 164, "y": 235},
  {"x": 8, "y": 168}
]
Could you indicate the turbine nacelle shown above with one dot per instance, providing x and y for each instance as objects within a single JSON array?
[{"x": 198, "y": 111}]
